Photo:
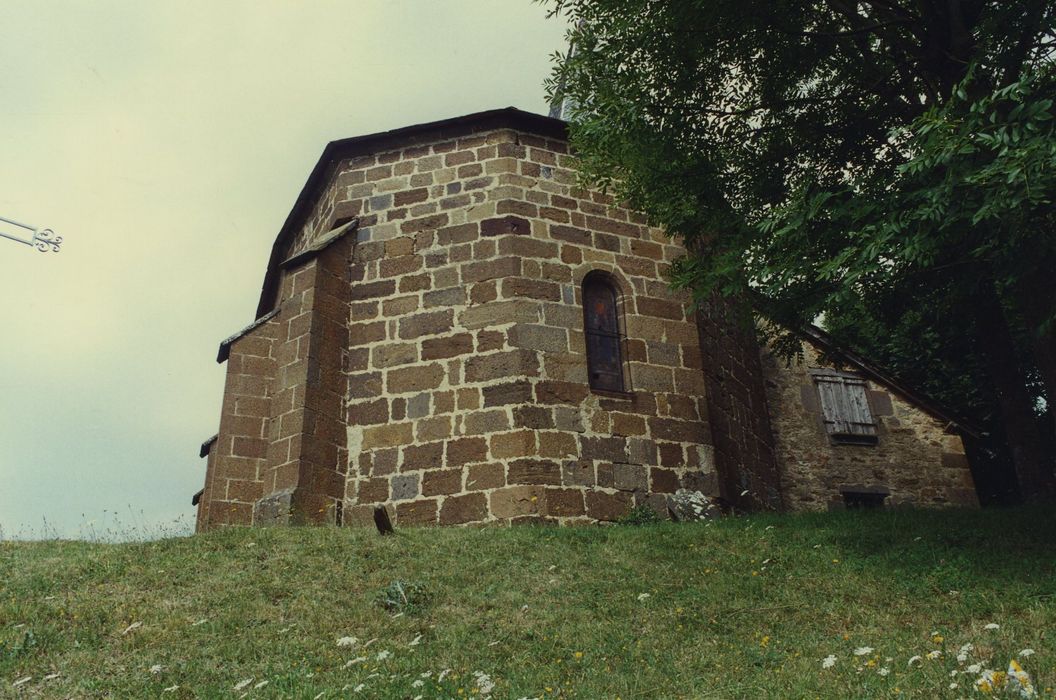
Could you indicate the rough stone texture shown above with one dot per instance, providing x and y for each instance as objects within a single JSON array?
[
  {"x": 476, "y": 369},
  {"x": 914, "y": 458},
  {"x": 737, "y": 406},
  {"x": 433, "y": 360}
]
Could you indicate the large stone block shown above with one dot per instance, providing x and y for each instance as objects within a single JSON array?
[
  {"x": 471, "y": 507},
  {"x": 415, "y": 378},
  {"x": 442, "y": 482},
  {"x": 501, "y": 365},
  {"x": 607, "y": 506},
  {"x": 421, "y": 512},
  {"x": 428, "y": 323},
  {"x": 534, "y": 471},
  {"x": 536, "y": 337},
  {"x": 387, "y": 436},
  {"x": 465, "y": 450},
  {"x": 499, "y": 313},
  {"x": 515, "y": 501}
]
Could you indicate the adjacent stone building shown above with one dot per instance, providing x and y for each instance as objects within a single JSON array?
[{"x": 451, "y": 328}]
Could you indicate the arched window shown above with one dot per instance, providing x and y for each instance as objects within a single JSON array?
[{"x": 602, "y": 328}]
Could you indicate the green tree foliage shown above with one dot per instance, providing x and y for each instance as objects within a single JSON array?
[{"x": 847, "y": 159}]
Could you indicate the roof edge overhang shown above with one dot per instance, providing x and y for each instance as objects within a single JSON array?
[
  {"x": 822, "y": 340},
  {"x": 508, "y": 117}
]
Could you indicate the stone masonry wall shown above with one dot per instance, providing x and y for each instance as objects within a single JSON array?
[
  {"x": 467, "y": 392},
  {"x": 740, "y": 417},
  {"x": 914, "y": 457},
  {"x": 238, "y": 456}
]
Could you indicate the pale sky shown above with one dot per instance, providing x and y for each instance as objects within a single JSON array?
[{"x": 166, "y": 142}]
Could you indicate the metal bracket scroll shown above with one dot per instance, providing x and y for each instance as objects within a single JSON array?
[{"x": 43, "y": 239}]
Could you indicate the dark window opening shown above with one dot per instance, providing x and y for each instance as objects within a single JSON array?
[
  {"x": 602, "y": 328},
  {"x": 858, "y": 500}
]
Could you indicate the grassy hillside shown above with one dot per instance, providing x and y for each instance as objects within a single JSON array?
[{"x": 733, "y": 609}]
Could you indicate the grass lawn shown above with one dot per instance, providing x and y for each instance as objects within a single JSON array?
[{"x": 737, "y": 608}]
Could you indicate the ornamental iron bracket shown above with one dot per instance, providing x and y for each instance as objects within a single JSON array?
[{"x": 43, "y": 239}]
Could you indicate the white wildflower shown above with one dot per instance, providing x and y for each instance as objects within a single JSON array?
[
  {"x": 884, "y": 671},
  {"x": 991, "y": 626},
  {"x": 443, "y": 674},
  {"x": 962, "y": 657},
  {"x": 966, "y": 648},
  {"x": 418, "y": 683},
  {"x": 260, "y": 685},
  {"x": 974, "y": 668},
  {"x": 347, "y": 642},
  {"x": 425, "y": 675},
  {"x": 22, "y": 681},
  {"x": 952, "y": 686},
  {"x": 156, "y": 669},
  {"x": 643, "y": 596},
  {"x": 242, "y": 684},
  {"x": 829, "y": 661},
  {"x": 359, "y": 688},
  {"x": 862, "y": 651},
  {"x": 384, "y": 654},
  {"x": 484, "y": 683},
  {"x": 133, "y": 626},
  {"x": 934, "y": 654},
  {"x": 1026, "y": 652},
  {"x": 914, "y": 660},
  {"x": 416, "y": 641}
]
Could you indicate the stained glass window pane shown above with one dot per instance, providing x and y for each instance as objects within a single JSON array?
[{"x": 604, "y": 359}]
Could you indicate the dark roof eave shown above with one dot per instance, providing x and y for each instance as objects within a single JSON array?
[
  {"x": 334, "y": 151},
  {"x": 225, "y": 345},
  {"x": 204, "y": 449},
  {"x": 818, "y": 337}
]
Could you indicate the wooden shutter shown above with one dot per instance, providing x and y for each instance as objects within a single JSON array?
[{"x": 845, "y": 406}]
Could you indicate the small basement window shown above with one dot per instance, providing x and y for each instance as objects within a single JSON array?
[
  {"x": 845, "y": 407},
  {"x": 858, "y": 500}
]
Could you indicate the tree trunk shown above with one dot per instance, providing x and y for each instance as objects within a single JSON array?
[
  {"x": 1036, "y": 300},
  {"x": 1032, "y": 466}
]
